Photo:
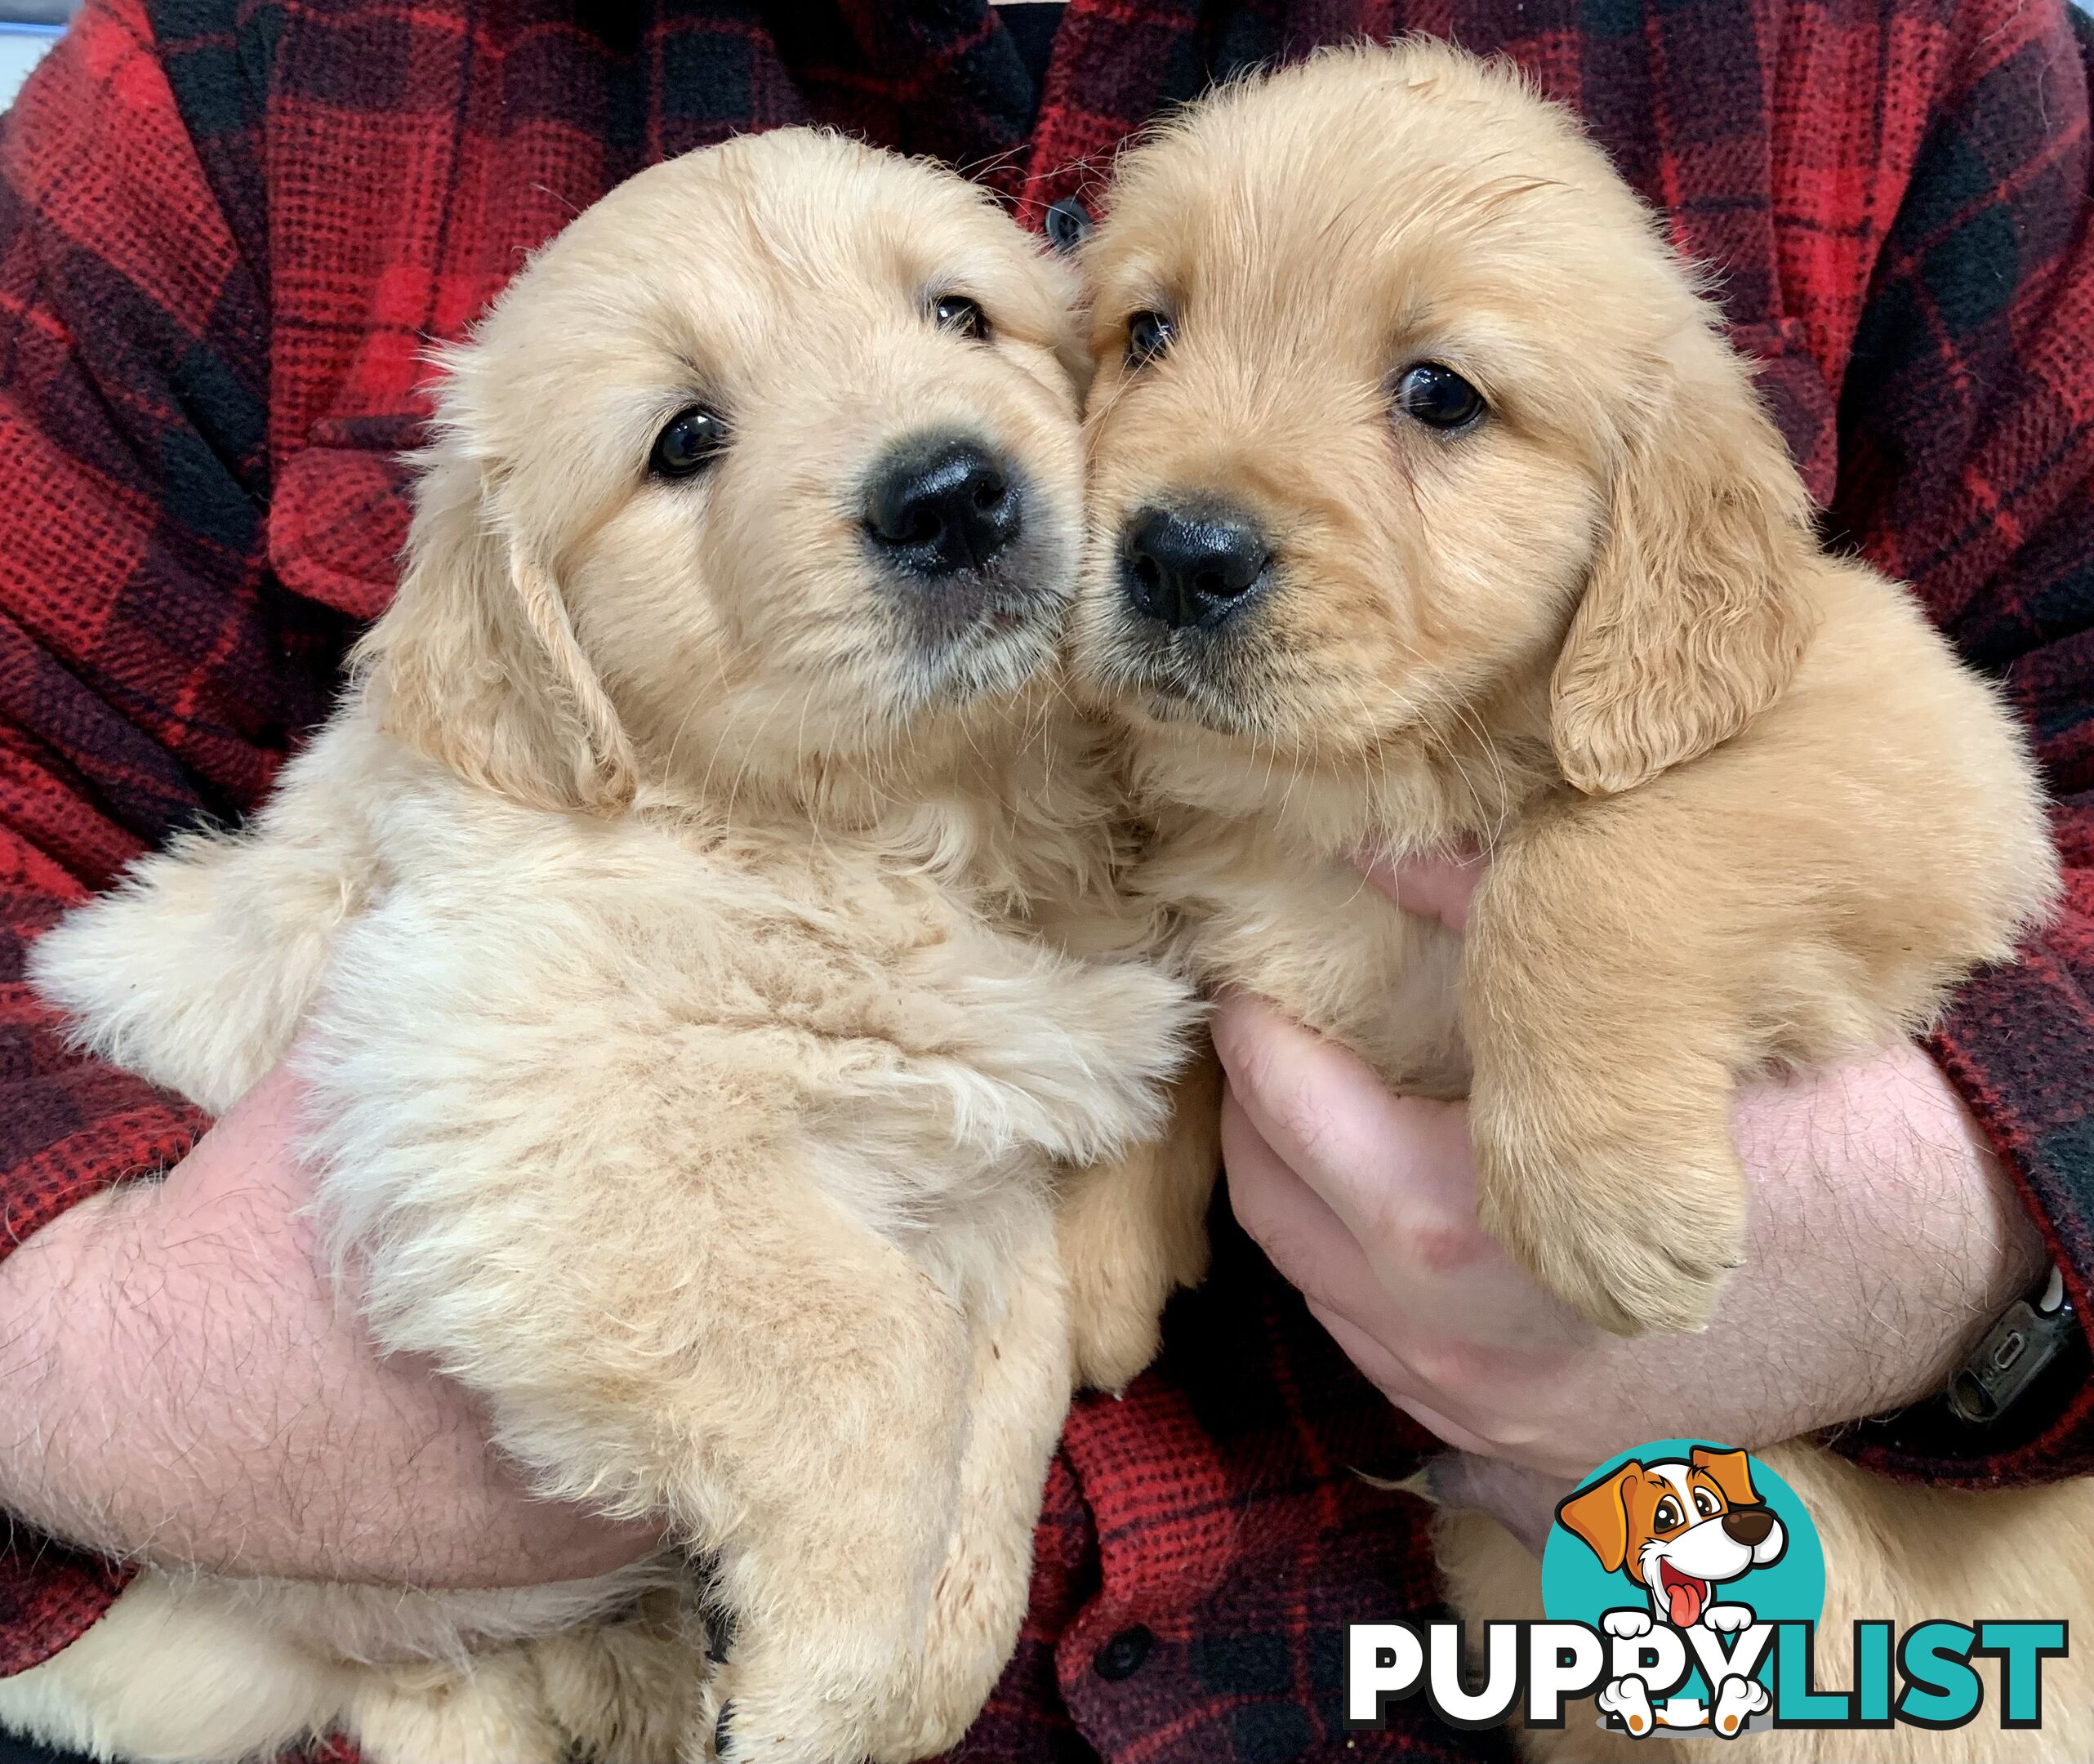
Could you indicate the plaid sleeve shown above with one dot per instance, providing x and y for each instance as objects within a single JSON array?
[
  {"x": 1967, "y": 443},
  {"x": 135, "y": 652}
]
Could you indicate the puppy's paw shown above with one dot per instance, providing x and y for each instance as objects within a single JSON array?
[
  {"x": 494, "y": 1713},
  {"x": 857, "y": 1701},
  {"x": 1737, "y": 1699},
  {"x": 1119, "y": 1280},
  {"x": 1083, "y": 1056},
  {"x": 1727, "y": 1619},
  {"x": 624, "y": 1692},
  {"x": 747, "y": 1724},
  {"x": 1112, "y": 1340},
  {"x": 941, "y": 1704},
  {"x": 1628, "y": 1701},
  {"x": 1632, "y": 1236},
  {"x": 1626, "y": 1625}
]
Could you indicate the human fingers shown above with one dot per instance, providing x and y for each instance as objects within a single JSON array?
[
  {"x": 1373, "y": 1156},
  {"x": 1388, "y": 1373},
  {"x": 1302, "y": 1237},
  {"x": 1438, "y": 886}
]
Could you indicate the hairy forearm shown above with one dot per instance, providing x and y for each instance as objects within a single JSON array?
[
  {"x": 184, "y": 1387},
  {"x": 174, "y": 1389},
  {"x": 1883, "y": 1238},
  {"x": 1884, "y": 1225}
]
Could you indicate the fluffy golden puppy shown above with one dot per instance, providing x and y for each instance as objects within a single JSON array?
[
  {"x": 1428, "y": 504},
  {"x": 681, "y": 927}
]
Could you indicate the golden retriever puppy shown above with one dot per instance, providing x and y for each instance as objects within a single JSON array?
[
  {"x": 1428, "y": 504},
  {"x": 678, "y": 925}
]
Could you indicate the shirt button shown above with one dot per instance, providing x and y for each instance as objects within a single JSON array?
[{"x": 1122, "y": 1656}]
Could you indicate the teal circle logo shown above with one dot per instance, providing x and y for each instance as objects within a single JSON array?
[{"x": 1692, "y": 1538}]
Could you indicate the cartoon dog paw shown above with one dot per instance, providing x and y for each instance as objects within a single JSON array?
[
  {"x": 1728, "y": 1618},
  {"x": 1737, "y": 1700},
  {"x": 1626, "y": 1623},
  {"x": 1628, "y": 1700}
]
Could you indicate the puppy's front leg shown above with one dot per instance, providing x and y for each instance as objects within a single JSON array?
[
  {"x": 1020, "y": 1395},
  {"x": 813, "y": 1453},
  {"x": 196, "y": 970},
  {"x": 1133, "y": 1230},
  {"x": 667, "y": 1314},
  {"x": 802, "y": 1424},
  {"x": 1605, "y": 981}
]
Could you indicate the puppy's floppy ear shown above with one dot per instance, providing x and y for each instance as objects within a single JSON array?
[
  {"x": 1730, "y": 1471},
  {"x": 476, "y": 663},
  {"x": 1692, "y": 621},
  {"x": 1599, "y": 1516}
]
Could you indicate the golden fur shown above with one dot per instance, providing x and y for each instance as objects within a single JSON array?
[
  {"x": 1744, "y": 804},
  {"x": 704, "y": 984}
]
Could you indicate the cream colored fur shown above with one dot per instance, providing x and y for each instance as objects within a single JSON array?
[
  {"x": 189, "y": 1666},
  {"x": 1745, "y": 806},
  {"x": 706, "y": 984}
]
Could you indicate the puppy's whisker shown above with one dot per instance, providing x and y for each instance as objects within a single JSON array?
[
  {"x": 1465, "y": 714},
  {"x": 700, "y": 695},
  {"x": 1494, "y": 804},
  {"x": 980, "y": 169},
  {"x": 713, "y": 755},
  {"x": 560, "y": 197},
  {"x": 748, "y": 759}
]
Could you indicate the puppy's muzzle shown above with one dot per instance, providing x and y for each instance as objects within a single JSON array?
[
  {"x": 938, "y": 508},
  {"x": 1190, "y": 569},
  {"x": 1748, "y": 1526}
]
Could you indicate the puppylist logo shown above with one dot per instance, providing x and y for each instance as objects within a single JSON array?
[{"x": 1683, "y": 1584}]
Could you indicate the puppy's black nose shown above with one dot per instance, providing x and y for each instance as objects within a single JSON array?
[
  {"x": 1748, "y": 1526},
  {"x": 1189, "y": 567},
  {"x": 935, "y": 508}
]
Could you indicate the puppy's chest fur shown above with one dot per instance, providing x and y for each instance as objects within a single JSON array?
[
  {"x": 1248, "y": 910},
  {"x": 846, "y": 1001},
  {"x": 766, "y": 965},
  {"x": 1252, "y": 870}
]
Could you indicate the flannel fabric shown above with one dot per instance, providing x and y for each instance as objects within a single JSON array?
[{"x": 228, "y": 228}]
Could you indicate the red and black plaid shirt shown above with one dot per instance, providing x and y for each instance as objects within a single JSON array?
[{"x": 229, "y": 228}]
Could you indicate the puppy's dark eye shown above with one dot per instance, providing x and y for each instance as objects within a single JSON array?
[
  {"x": 1705, "y": 1503},
  {"x": 1148, "y": 336},
  {"x": 1438, "y": 397},
  {"x": 1667, "y": 1517},
  {"x": 955, "y": 312},
  {"x": 690, "y": 441}
]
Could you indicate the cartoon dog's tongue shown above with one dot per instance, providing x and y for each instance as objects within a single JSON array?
[{"x": 1684, "y": 1595}]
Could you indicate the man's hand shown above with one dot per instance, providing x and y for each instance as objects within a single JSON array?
[
  {"x": 1883, "y": 1239},
  {"x": 183, "y": 1385}
]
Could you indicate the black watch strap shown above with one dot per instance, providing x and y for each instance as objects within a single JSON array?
[{"x": 2015, "y": 1351}]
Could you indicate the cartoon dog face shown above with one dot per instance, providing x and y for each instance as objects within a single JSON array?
[{"x": 1678, "y": 1527}]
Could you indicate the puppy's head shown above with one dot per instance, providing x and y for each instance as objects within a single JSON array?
[
  {"x": 770, "y": 457},
  {"x": 1680, "y": 1527},
  {"x": 1402, "y": 410}
]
